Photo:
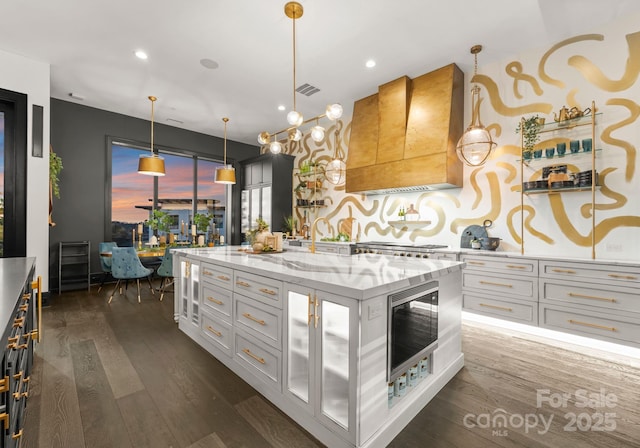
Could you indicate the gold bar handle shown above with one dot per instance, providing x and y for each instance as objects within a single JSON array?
[
  {"x": 477, "y": 263},
  {"x": 310, "y": 304},
  {"x": 257, "y": 358},
  {"x": 583, "y": 296},
  {"x": 38, "y": 285},
  {"x": 224, "y": 277},
  {"x": 241, "y": 283},
  {"x": 502, "y": 308},
  {"x": 315, "y": 312},
  {"x": 214, "y": 331},
  {"x": 587, "y": 324},
  {"x": 564, "y": 271},
  {"x": 5, "y": 418},
  {"x": 214, "y": 300},
  {"x": 505, "y": 285},
  {"x": 515, "y": 266},
  {"x": 623, "y": 277},
  {"x": 187, "y": 269},
  {"x": 255, "y": 319},
  {"x": 268, "y": 291},
  {"x": 17, "y": 435}
]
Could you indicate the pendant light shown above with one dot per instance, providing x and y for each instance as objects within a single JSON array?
[
  {"x": 476, "y": 144},
  {"x": 294, "y": 11},
  {"x": 152, "y": 165},
  {"x": 225, "y": 174},
  {"x": 336, "y": 170}
]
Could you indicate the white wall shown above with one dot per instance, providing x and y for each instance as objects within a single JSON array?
[{"x": 31, "y": 77}]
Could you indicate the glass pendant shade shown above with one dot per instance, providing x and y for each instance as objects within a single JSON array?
[
  {"x": 475, "y": 145},
  {"x": 294, "y": 118},
  {"x": 295, "y": 135},
  {"x": 264, "y": 138},
  {"x": 317, "y": 133},
  {"x": 334, "y": 111},
  {"x": 275, "y": 147},
  {"x": 335, "y": 171},
  {"x": 225, "y": 174},
  {"x": 151, "y": 165}
]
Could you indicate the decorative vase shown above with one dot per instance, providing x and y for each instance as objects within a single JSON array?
[
  {"x": 260, "y": 237},
  {"x": 257, "y": 247}
]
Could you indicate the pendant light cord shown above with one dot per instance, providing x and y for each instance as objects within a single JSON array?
[
  {"x": 152, "y": 99},
  {"x": 225, "y": 142},
  {"x": 294, "y": 61}
]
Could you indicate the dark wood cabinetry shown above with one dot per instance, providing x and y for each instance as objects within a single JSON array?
[{"x": 266, "y": 190}]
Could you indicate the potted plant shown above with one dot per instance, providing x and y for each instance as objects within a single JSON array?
[
  {"x": 202, "y": 222},
  {"x": 530, "y": 128},
  {"x": 289, "y": 225},
  {"x": 159, "y": 222},
  {"x": 256, "y": 236}
]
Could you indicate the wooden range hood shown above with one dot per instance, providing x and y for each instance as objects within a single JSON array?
[{"x": 404, "y": 137}]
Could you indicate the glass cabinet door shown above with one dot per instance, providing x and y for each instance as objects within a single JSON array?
[
  {"x": 195, "y": 293},
  {"x": 334, "y": 368},
  {"x": 185, "y": 283},
  {"x": 265, "y": 206},
  {"x": 298, "y": 338}
]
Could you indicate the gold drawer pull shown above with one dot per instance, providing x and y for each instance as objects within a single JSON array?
[
  {"x": 24, "y": 307},
  {"x": 18, "y": 375},
  {"x": 205, "y": 272},
  {"x": 564, "y": 271},
  {"x": 268, "y": 291},
  {"x": 25, "y": 345},
  {"x": 26, "y": 296},
  {"x": 482, "y": 282},
  {"x": 241, "y": 283},
  {"x": 216, "y": 301},
  {"x": 5, "y": 418},
  {"x": 502, "y": 308},
  {"x": 582, "y": 296},
  {"x": 12, "y": 342},
  {"x": 257, "y": 358},
  {"x": 26, "y": 380},
  {"x": 515, "y": 266},
  {"x": 478, "y": 263},
  {"x": 623, "y": 277},
  {"x": 214, "y": 331},
  {"x": 249, "y": 316},
  {"x": 19, "y": 395},
  {"x": 17, "y": 435},
  {"x": 18, "y": 322},
  {"x": 224, "y": 277},
  {"x": 587, "y": 324}
]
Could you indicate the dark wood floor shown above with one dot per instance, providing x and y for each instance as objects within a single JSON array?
[{"x": 123, "y": 375}]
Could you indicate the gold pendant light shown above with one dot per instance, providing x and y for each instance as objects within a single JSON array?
[
  {"x": 152, "y": 165},
  {"x": 225, "y": 174},
  {"x": 476, "y": 144}
]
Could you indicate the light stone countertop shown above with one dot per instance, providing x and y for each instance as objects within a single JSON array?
[{"x": 357, "y": 276}]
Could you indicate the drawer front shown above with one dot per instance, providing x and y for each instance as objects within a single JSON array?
[
  {"x": 509, "y": 286},
  {"x": 591, "y": 324},
  {"x": 262, "y": 321},
  {"x": 260, "y": 359},
  {"x": 443, "y": 256},
  {"x": 264, "y": 289},
  {"x": 217, "y": 331},
  {"x": 519, "y": 266},
  {"x": 217, "y": 275},
  {"x": 217, "y": 300},
  {"x": 592, "y": 272},
  {"x": 523, "y": 312},
  {"x": 612, "y": 298}
]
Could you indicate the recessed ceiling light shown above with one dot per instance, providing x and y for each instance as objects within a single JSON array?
[
  {"x": 209, "y": 63},
  {"x": 141, "y": 54},
  {"x": 281, "y": 107},
  {"x": 370, "y": 63}
]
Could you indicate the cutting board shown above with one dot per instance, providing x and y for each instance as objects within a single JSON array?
[{"x": 470, "y": 233}]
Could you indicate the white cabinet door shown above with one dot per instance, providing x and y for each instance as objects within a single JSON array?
[{"x": 320, "y": 345}]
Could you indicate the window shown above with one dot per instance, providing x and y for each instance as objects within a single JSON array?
[{"x": 187, "y": 187}]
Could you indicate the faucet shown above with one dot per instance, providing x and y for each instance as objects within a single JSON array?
[{"x": 313, "y": 232}]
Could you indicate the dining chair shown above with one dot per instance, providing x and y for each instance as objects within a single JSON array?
[
  {"x": 165, "y": 271},
  {"x": 105, "y": 262},
  {"x": 125, "y": 265}
]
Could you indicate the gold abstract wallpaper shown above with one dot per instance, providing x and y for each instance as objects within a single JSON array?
[{"x": 599, "y": 70}]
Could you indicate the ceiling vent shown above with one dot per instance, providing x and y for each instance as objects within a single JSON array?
[{"x": 307, "y": 89}]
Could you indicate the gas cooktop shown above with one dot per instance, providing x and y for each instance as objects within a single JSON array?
[{"x": 399, "y": 245}]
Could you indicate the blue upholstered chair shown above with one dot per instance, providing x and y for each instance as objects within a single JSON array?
[
  {"x": 165, "y": 271},
  {"x": 105, "y": 262},
  {"x": 125, "y": 265}
]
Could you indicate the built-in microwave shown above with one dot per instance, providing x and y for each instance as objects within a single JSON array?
[{"x": 412, "y": 327}]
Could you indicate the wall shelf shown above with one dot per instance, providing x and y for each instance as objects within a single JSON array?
[{"x": 409, "y": 224}]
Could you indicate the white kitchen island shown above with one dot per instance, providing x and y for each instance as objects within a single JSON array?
[{"x": 309, "y": 332}]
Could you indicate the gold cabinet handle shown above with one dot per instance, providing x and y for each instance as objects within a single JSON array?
[
  {"x": 588, "y": 324},
  {"x": 26, "y": 296},
  {"x": 19, "y": 395},
  {"x": 18, "y": 322},
  {"x": 583, "y": 296},
  {"x": 187, "y": 269},
  {"x": 515, "y": 266},
  {"x": 38, "y": 284},
  {"x": 241, "y": 283},
  {"x": 26, "y": 380},
  {"x": 564, "y": 271},
  {"x": 255, "y": 319},
  {"x": 310, "y": 304},
  {"x": 24, "y": 307},
  {"x": 502, "y": 308},
  {"x": 4, "y": 384},
  {"x": 214, "y": 331},
  {"x": 207, "y": 273},
  {"x": 214, "y": 300},
  {"x": 477, "y": 263},
  {"x": 268, "y": 291},
  {"x": 224, "y": 277},
  {"x": 623, "y": 277},
  {"x": 257, "y": 358},
  {"x": 5, "y": 418},
  {"x": 505, "y": 285},
  {"x": 17, "y": 435},
  {"x": 18, "y": 375},
  {"x": 315, "y": 312},
  {"x": 12, "y": 342}
]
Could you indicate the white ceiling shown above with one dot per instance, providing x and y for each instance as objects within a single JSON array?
[{"x": 90, "y": 46}]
